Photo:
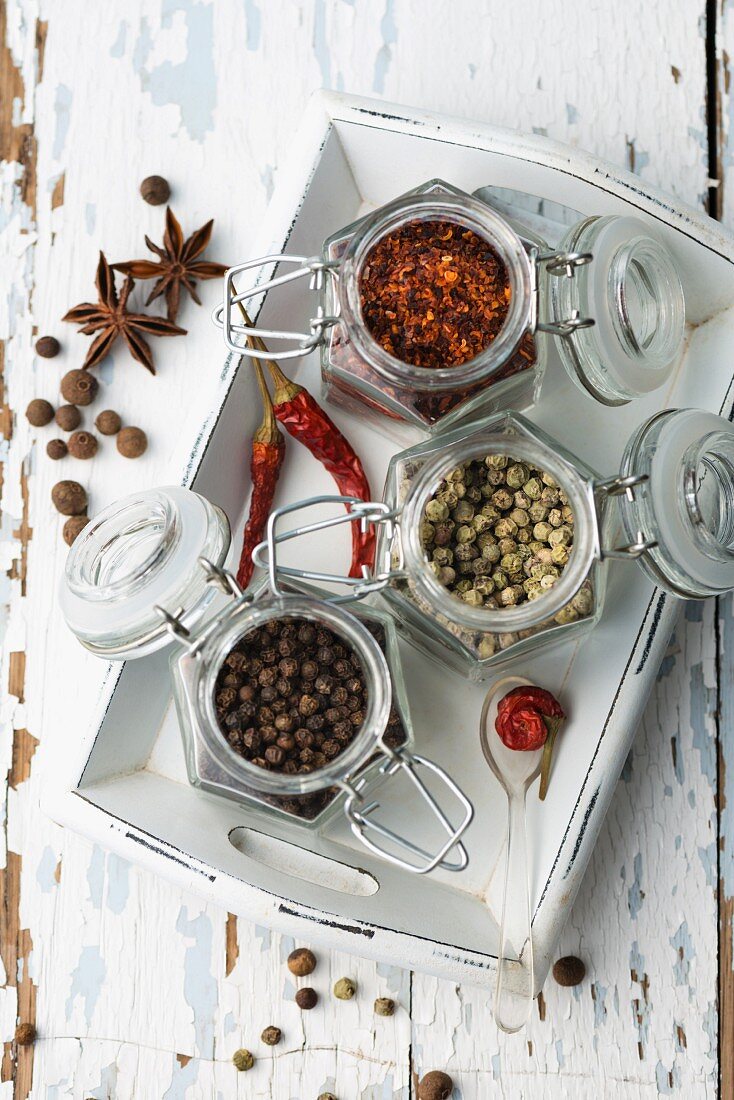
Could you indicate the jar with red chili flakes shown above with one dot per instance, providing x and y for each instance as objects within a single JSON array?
[{"x": 436, "y": 308}]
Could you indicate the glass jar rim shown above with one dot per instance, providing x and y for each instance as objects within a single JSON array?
[
  {"x": 530, "y": 613},
  {"x": 473, "y": 214},
  {"x": 243, "y": 619}
]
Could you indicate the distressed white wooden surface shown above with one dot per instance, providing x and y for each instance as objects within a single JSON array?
[{"x": 132, "y": 994}]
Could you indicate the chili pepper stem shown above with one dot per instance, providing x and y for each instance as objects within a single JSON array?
[
  {"x": 552, "y": 725},
  {"x": 285, "y": 389},
  {"x": 268, "y": 432}
]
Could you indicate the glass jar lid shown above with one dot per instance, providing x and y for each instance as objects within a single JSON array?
[
  {"x": 139, "y": 553},
  {"x": 633, "y": 291},
  {"x": 686, "y": 503}
]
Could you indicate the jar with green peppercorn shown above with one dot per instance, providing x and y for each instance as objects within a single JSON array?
[
  {"x": 288, "y": 702},
  {"x": 502, "y": 534},
  {"x": 436, "y": 308}
]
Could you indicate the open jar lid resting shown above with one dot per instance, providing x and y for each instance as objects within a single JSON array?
[{"x": 139, "y": 553}]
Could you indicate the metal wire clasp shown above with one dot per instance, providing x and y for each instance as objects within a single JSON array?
[
  {"x": 365, "y": 513},
  {"x": 624, "y": 485},
  {"x": 215, "y": 576},
  {"x": 564, "y": 265},
  {"x": 360, "y": 812},
  {"x": 237, "y": 333}
]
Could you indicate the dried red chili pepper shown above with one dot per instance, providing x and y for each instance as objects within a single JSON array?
[
  {"x": 268, "y": 452},
  {"x": 528, "y": 718},
  {"x": 305, "y": 420}
]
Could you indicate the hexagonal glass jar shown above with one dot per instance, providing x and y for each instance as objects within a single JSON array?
[
  {"x": 674, "y": 495},
  {"x": 477, "y": 639},
  {"x": 140, "y": 577},
  {"x": 610, "y": 294}
]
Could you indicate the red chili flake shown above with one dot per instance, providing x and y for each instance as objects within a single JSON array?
[{"x": 434, "y": 294}]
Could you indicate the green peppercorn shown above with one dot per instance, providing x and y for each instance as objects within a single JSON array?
[
  {"x": 566, "y": 615},
  {"x": 345, "y": 989},
  {"x": 473, "y": 597},
  {"x": 465, "y": 551},
  {"x": 481, "y": 523},
  {"x": 542, "y": 531},
  {"x": 506, "y": 528},
  {"x": 522, "y": 500},
  {"x": 384, "y": 1006},
  {"x": 243, "y": 1060},
  {"x": 583, "y": 601},
  {"x": 443, "y": 555},
  {"x": 491, "y": 552},
  {"x": 496, "y": 462},
  {"x": 532, "y": 488},
  {"x": 485, "y": 585},
  {"x": 507, "y": 545},
  {"x": 537, "y": 512},
  {"x": 560, "y": 555},
  {"x": 427, "y": 532},
  {"x": 463, "y": 585},
  {"x": 446, "y": 575},
  {"x": 511, "y": 563},
  {"x": 500, "y": 579},
  {"x": 520, "y": 517},
  {"x": 436, "y": 510},
  {"x": 487, "y": 647},
  {"x": 502, "y": 500},
  {"x": 561, "y": 536},
  {"x": 555, "y": 517},
  {"x": 465, "y": 533},
  {"x": 549, "y": 497},
  {"x": 517, "y": 475}
]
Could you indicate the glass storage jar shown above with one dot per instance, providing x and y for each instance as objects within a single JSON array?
[
  {"x": 673, "y": 495},
  {"x": 610, "y": 294},
  {"x": 141, "y": 574}
]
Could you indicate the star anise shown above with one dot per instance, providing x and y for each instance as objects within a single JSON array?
[
  {"x": 111, "y": 318},
  {"x": 177, "y": 265}
]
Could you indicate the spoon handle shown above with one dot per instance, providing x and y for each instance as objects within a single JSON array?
[{"x": 514, "y": 995}]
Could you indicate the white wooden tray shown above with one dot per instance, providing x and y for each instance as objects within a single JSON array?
[{"x": 127, "y": 786}]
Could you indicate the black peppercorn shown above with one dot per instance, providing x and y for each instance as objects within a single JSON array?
[
  {"x": 56, "y": 449},
  {"x": 155, "y": 190},
  {"x": 47, "y": 347},
  {"x": 307, "y": 998},
  {"x": 301, "y": 962},
  {"x": 569, "y": 970}
]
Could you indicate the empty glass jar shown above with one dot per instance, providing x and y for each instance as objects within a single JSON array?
[
  {"x": 141, "y": 575},
  {"x": 610, "y": 294}
]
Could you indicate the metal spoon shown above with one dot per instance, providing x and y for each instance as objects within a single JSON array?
[{"x": 516, "y": 771}]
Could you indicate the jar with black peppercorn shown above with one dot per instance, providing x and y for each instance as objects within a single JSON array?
[
  {"x": 288, "y": 702},
  {"x": 436, "y": 308}
]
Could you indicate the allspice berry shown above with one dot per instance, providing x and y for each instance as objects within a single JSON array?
[
  {"x": 243, "y": 1060},
  {"x": 68, "y": 417},
  {"x": 47, "y": 347},
  {"x": 307, "y": 998},
  {"x": 56, "y": 448},
  {"x": 73, "y": 526},
  {"x": 69, "y": 498},
  {"x": 108, "y": 422},
  {"x": 271, "y": 1036},
  {"x": 82, "y": 445},
  {"x": 569, "y": 970},
  {"x": 345, "y": 989},
  {"x": 301, "y": 962},
  {"x": 384, "y": 1006},
  {"x": 25, "y": 1034},
  {"x": 39, "y": 412},
  {"x": 155, "y": 190},
  {"x": 435, "y": 1085},
  {"x": 132, "y": 442},
  {"x": 79, "y": 387}
]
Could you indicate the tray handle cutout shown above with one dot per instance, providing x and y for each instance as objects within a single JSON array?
[{"x": 291, "y": 859}]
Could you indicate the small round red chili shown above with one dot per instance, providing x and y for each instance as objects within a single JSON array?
[{"x": 521, "y": 715}]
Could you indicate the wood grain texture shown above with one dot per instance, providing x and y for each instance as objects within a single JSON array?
[{"x": 137, "y": 989}]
